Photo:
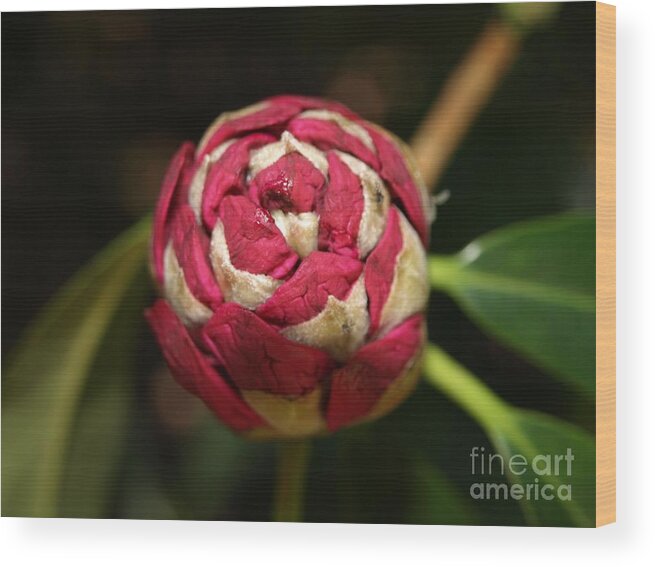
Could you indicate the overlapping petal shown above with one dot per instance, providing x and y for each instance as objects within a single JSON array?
[
  {"x": 194, "y": 370},
  {"x": 258, "y": 357},
  {"x": 359, "y": 385},
  {"x": 180, "y": 162}
]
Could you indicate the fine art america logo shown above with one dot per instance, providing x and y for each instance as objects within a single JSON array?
[{"x": 543, "y": 477}]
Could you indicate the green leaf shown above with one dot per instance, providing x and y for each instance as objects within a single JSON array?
[
  {"x": 536, "y": 435},
  {"x": 57, "y": 433},
  {"x": 531, "y": 435},
  {"x": 532, "y": 286},
  {"x": 98, "y": 437}
]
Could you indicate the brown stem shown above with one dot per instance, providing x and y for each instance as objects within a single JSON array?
[{"x": 465, "y": 93}]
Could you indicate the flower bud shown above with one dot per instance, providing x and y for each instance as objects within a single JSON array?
[{"x": 289, "y": 247}]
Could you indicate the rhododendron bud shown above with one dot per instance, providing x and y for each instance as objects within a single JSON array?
[{"x": 289, "y": 247}]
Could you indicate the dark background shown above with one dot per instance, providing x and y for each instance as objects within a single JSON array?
[{"x": 95, "y": 103}]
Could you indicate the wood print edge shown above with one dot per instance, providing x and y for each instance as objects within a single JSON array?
[{"x": 605, "y": 264}]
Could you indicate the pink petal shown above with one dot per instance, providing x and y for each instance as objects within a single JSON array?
[
  {"x": 358, "y": 386},
  {"x": 393, "y": 170},
  {"x": 255, "y": 243},
  {"x": 228, "y": 175},
  {"x": 180, "y": 163},
  {"x": 380, "y": 268},
  {"x": 191, "y": 246},
  {"x": 271, "y": 118},
  {"x": 311, "y": 103},
  {"x": 195, "y": 373},
  {"x": 340, "y": 209},
  {"x": 305, "y": 294},
  {"x": 258, "y": 357},
  {"x": 290, "y": 184},
  {"x": 327, "y": 135}
]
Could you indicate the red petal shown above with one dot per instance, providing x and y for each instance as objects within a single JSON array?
[
  {"x": 290, "y": 184},
  {"x": 394, "y": 171},
  {"x": 340, "y": 209},
  {"x": 359, "y": 385},
  {"x": 191, "y": 246},
  {"x": 257, "y": 357},
  {"x": 326, "y": 135},
  {"x": 228, "y": 174},
  {"x": 255, "y": 243},
  {"x": 305, "y": 294},
  {"x": 380, "y": 268},
  {"x": 271, "y": 118},
  {"x": 180, "y": 163},
  {"x": 195, "y": 373}
]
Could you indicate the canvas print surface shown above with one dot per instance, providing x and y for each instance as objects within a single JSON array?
[{"x": 301, "y": 264}]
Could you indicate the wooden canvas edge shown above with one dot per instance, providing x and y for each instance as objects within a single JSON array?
[{"x": 605, "y": 264}]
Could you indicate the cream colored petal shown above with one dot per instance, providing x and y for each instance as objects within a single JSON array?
[
  {"x": 177, "y": 292},
  {"x": 346, "y": 125},
  {"x": 244, "y": 288},
  {"x": 288, "y": 417},
  {"x": 376, "y": 204},
  {"x": 427, "y": 202},
  {"x": 197, "y": 186},
  {"x": 340, "y": 329},
  {"x": 267, "y": 155},
  {"x": 299, "y": 230},
  {"x": 225, "y": 117},
  {"x": 409, "y": 290}
]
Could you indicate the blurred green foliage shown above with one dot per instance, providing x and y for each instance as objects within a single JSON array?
[{"x": 65, "y": 395}]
